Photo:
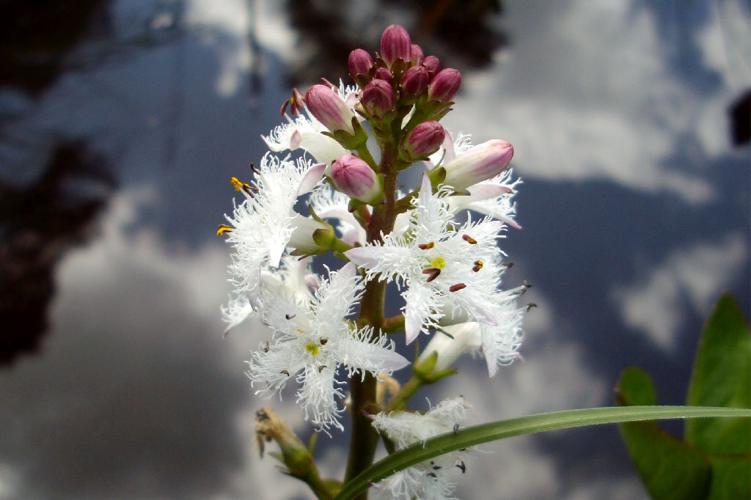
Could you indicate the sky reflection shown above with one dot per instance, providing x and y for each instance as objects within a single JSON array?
[{"x": 635, "y": 210}]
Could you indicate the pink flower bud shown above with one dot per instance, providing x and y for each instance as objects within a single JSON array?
[
  {"x": 415, "y": 80},
  {"x": 377, "y": 97},
  {"x": 444, "y": 85},
  {"x": 359, "y": 63},
  {"x": 354, "y": 177},
  {"x": 326, "y": 105},
  {"x": 424, "y": 140},
  {"x": 478, "y": 163},
  {"x": 416, "y": 54},
  {"x": 383, "y": 74},
  {"x": 432, "y": 64},
  {"x": 395, "y": 44}
]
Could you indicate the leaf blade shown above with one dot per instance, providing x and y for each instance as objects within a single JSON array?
[
  {"x": 669, "y": 468},
  {"x": 722, "y": 377},
  {"x": 567, "y": 419}
]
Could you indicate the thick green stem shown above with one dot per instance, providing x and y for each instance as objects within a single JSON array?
[
  {"x": 364, "y": 438},
  {"x": 393, "y": 323}
]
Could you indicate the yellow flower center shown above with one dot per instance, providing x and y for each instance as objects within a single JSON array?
[
  {"x": 438, "y": 263},
  {"x": 313, "y": 349}
]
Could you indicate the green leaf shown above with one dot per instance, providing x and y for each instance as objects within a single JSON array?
[
  {"x": 635, "y": 387},
  {"x": 669, "y": 468},
  {"x": 568, "y": 419},
  {"x": 731, "y": 478},
  {"x": 722, "y": 377}
]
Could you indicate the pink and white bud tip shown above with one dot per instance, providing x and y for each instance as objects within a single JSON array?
[
  {"x": 324, "y": 103},
  {"x": 478, "y": 163},
  {"x": 444, "y": 85},
  {"x": 353, "y": 177},
  {"x": 396, "y": 44},
  {"x": 377, "y": 98},
  {"x": 424, "y": 140}
]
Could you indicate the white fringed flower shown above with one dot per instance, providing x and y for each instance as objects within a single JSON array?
[
  {"x": 312, "y": 339},
  {"x": 428, "y": 480},
  {"x": 439, "y": 262},
  {"x": 499, "y": 342},
  {"x": 493, "y": 198},
  {"x": 265, "y": 223}
]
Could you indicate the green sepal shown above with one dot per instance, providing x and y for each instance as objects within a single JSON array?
[
  {"x": 350, "y": 141},
  {"x": 324, "y": 237},
  {"x": 312, "y": 442},
  {"x": 437, "y": 176}
]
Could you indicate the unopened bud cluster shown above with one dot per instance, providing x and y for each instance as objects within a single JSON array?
[{"x": 401, "y": 70}]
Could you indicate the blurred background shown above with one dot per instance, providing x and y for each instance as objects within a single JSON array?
[{"x": 121, "y": 122}]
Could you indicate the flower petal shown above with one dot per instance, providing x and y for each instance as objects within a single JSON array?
[{"x": 311, "y": 178}]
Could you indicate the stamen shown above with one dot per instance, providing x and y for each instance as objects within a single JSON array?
[
  {"x": 285, "y": 372},
  {"x": 242, "y": 186},
  {"x": 462, "y": 466},
  {"x": 426, "y": 246},
  {"x": 295, "y": 103},
  {"x": 223, "y": 229},
  {"x": 531, "y": 306},
  {"x": 289, "y": 316},
  {"x": 324, "y": 341},
  {"x": 432, "y": 273},
  {"x": 321, "y": 368},
  {"x": 469, "y": 239},
  {"x": 478, "y": 265},
  {"x": 457, "y": 287}
]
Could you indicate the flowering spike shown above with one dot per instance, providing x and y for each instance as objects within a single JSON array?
[
  {"x": 329, "y": 109},
  {"x": 444, "y": 85},
  {"x": 360, "y": 138},
  {"x": 395, "y": 44},
  {"x": 354, "y": 177}
]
